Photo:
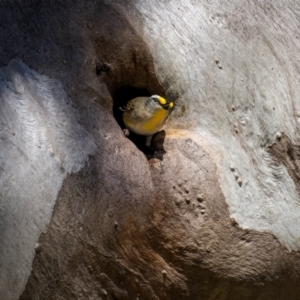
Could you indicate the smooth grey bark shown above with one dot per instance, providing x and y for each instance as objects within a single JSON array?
[{"x": 84, "y": 214}]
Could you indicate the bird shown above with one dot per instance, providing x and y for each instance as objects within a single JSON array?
[{"x": 146, "y": 115}]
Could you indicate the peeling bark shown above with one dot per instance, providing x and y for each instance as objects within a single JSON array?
[{"x": 284, "y": 152}]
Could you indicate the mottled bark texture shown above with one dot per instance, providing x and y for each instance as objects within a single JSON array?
[
  {"x": 284, "y": 152},
  {"x": 89, "y": 216}
]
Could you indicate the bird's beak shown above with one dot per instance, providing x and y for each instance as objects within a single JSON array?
[{"x": 168, "y": 105}]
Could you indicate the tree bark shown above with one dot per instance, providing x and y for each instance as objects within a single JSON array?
[{"x": 85, "y": 214}]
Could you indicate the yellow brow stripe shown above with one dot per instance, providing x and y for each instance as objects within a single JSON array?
[{"x": 162, "y": 100}]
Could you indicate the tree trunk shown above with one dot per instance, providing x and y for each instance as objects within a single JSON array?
[{"x": 85, "y": 214}]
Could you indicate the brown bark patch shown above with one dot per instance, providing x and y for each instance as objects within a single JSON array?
[{"x": 284, "y": 152}]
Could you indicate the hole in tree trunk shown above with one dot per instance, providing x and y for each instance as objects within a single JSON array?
[{"x": 121, "y": 98}]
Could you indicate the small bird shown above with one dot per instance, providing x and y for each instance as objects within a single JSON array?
[{"x": 146, "y": 115}]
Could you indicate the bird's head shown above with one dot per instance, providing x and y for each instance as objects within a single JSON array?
[{"x": 158, "y": 101}]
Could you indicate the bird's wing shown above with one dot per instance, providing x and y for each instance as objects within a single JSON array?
[{"x": 129, "y": 106}]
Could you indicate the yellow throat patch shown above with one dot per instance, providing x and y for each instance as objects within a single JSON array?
[{"x": 156, "y": 121}]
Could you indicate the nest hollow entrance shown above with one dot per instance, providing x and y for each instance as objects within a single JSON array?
[{"x": 121, "y": 98}]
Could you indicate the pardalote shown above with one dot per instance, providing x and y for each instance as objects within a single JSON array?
[{"x": 146, "y": 115}]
